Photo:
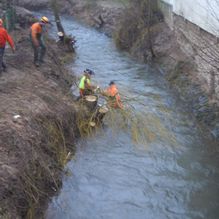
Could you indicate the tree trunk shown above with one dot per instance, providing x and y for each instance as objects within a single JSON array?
[
  {"x": 55, "y": 9},
  {"x": 149, "y": 29},
  {"x": 90, "y": 101},
  {"x": 101, "y": 112}
]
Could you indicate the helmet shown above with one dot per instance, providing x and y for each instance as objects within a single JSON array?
[
  {"x": 45, "y": 20},
  {"x": 60, "y": 34},
  {"x": 111, "y": 83},
  {"x": 88, "y": 71}
]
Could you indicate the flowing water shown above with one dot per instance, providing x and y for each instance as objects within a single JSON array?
[{"x": 173, "y": 175}]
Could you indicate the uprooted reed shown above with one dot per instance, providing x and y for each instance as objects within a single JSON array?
[{"x": 142, "y": 126}]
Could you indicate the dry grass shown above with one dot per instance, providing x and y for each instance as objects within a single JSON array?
[
  {"x": 35, "y": 148},
  {"x": 143, "y": 127}
]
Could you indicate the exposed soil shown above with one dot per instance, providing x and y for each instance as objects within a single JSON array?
[
  {"x": 34, "y": 147},
  {"x": 103, "y": 15},
  {"x": 35, "y": 5}
]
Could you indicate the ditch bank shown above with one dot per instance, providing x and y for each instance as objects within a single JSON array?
[
  {"x": 149, "y": 39},
  {"x": 37, "y": 128},
  {"x": 102, "y": 15}
]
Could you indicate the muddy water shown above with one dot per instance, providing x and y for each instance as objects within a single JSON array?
[{"x": 173, "y": 175}]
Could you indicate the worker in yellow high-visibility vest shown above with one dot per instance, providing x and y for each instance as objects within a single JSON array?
[{"x": 85, "y": 87}]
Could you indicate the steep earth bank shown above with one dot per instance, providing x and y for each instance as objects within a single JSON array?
[
  {"x": 101, "y": 14},
  {"x": 37, "y": 128}
]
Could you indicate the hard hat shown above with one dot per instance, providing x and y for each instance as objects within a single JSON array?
[
  {"x": 88, "y": 71},
  {"x": 44, "y": 19},
  {"x": 60, "y": 34},
  {"x": 111, "y": 83}
]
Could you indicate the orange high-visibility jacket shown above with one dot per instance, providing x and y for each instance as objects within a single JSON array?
[
  {"x": 5, "y": 37},
  {"x": 112, "y": 91},
  {"x": 36, "y": 31}
]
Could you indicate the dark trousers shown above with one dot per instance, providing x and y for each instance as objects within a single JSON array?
[
  {"x": 39, "y": 51},
  {"x": 84, "y": 92},
  {"x": 2, "y": 64}
]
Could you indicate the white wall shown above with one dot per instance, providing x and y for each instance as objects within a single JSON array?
[
  {"x": 168, "y": 1},
  {"x": 204, "y": 13}
]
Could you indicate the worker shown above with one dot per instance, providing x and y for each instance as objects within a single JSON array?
[
  {"x": 61, "y": 37},
  {"x": 113, "y": 94},
  {"x": 85, "y": 87},
  {"x": 36, "y": 34},
  {"x": 4, "y": 37}
]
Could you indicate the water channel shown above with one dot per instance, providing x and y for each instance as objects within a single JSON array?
[{"x": 173, "y": 176}]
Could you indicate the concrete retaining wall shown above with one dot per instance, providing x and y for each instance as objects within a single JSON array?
[
  {"x": 203, "y": 13},
  {"x": 195, "y": 38}
]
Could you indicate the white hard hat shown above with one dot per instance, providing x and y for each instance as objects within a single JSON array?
[{"x": 60, "y": 34}]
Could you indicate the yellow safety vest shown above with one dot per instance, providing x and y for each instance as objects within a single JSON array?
[{"x": 83, "y": 81}]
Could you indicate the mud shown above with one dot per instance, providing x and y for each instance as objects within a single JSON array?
[{"x": 37, "y": 128}]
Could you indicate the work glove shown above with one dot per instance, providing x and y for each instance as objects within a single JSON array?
[{"x": 97, "y": 89}]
